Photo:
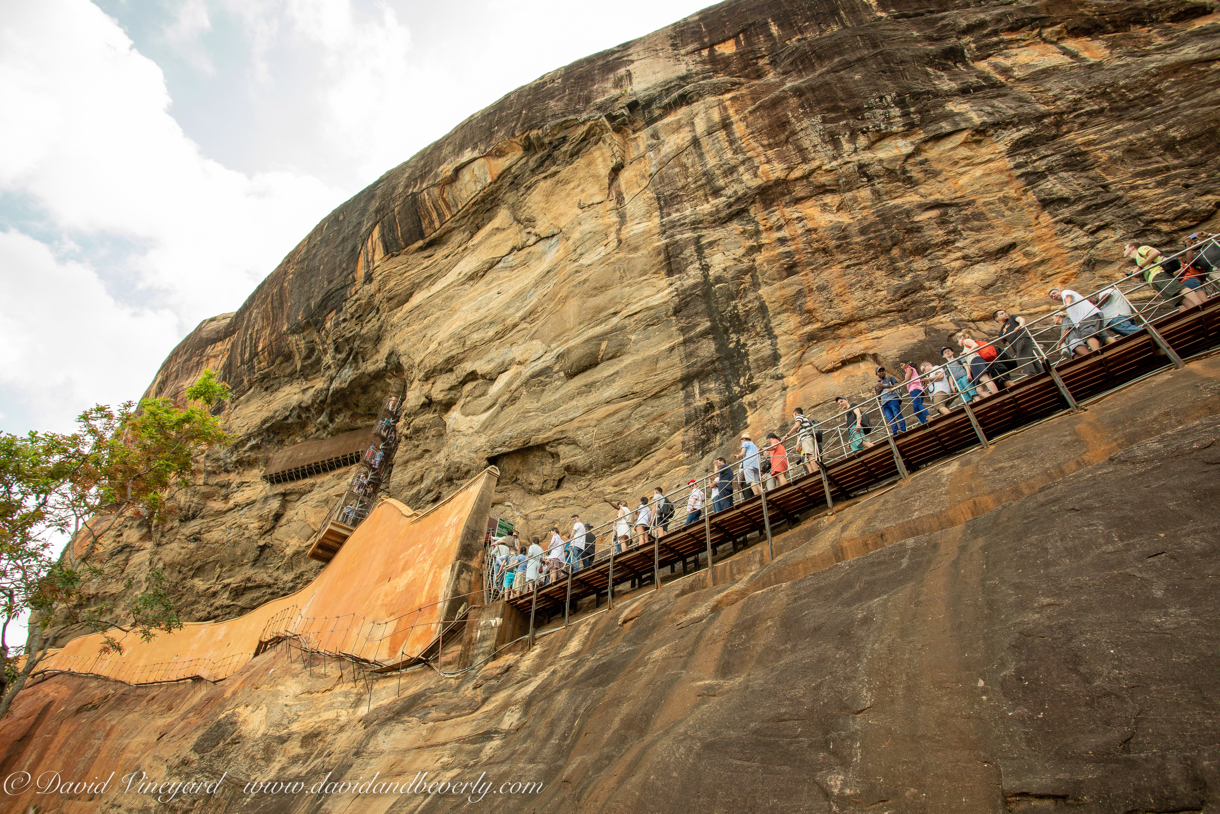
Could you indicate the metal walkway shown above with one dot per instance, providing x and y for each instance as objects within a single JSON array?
[{"x": 1029, "y": 401}]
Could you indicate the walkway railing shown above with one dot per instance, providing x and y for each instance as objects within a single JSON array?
[{"x": 1037, "y": 372}]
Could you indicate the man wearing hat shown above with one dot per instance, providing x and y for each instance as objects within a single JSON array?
[{"x": 750, "y": 463}]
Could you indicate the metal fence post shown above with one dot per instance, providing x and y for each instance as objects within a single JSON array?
[
  {"x": 533, "y": 609},
  {"x": 707, "y": 532},
  {"x": 1160, "y": 341},
  {"x": 567, "y": 602},
  {"x": 1059, "y": 383},
  {"x": 978, "y": 429},
  {"x": 656, "y": 563},
  {"x": 767, "y": 528},
  {"x": 610, "y": 579},
  {"x": 889, "y": 436}
]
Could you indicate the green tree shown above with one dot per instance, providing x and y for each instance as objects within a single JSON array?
[{"x": 120, "y": 463}]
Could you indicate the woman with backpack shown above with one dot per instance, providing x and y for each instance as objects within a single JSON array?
[{"x": 978, "y": 361}]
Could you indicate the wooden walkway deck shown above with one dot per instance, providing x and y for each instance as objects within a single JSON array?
[{"x": 1031, "y": 400}]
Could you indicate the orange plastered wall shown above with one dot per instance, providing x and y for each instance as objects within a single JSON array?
[{"x": 381, "y": 598}]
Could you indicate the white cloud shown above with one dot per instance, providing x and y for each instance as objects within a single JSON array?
[
  {"x": 192, "y": 22},
  {"x": 90, "y": 154},
  {"x": 65, "y": 343},
  {"x": 86, "y": 136}
]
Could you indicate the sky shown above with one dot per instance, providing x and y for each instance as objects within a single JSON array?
[{"x": 158, "y": 158}]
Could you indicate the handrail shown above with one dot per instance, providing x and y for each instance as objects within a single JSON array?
[{"x": 838, "y": 444}]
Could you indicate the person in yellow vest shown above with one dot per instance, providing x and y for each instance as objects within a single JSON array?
[{"x": 1162, "y": 275}]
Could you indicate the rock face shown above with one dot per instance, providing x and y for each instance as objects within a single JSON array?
[
  {"x": 1026, "y": 627},
  {"x": 600, "y": 280}
]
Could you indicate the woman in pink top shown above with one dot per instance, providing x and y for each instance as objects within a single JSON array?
[{"x": 915, "y": 389}]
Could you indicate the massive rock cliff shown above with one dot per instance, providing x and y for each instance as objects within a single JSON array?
[
  {"x": 1023, "y": 628},
  {"x": 595, "y": 283}
]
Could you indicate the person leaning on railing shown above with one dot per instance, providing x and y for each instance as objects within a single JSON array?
[
  {"x": 1117, "y": 315},
  {"x": 942, "y": 393},
  {"x": 1203, "y": 253},
  {"x": 1164, "y": 276},
  {"x": 857, "y": 425},
  {"x": 1084, "y": 317},
  {"x": 1018, "y": 345},
  {"x": 960, "y": 375}
]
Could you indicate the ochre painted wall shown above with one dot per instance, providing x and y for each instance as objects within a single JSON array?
[{"x": 379, "y": 599}]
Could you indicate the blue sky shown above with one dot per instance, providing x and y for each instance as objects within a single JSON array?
[{"x": 159, "y": 157}]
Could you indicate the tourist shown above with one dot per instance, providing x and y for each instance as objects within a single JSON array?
[
  {"x": 643, "y": 522},
  {"x": 891, "y": 406},
  {"x": 722, "y": 486},
  {"x": 1203, "y": 253},
  {"x": 534, "y": 558},
  {"x": 1117, "y": 315},
  {"x": 1084, "y": 316},
  {"x": 555, "y": 552},
  {"x": 694, "y": 503},
  {"x": 1018, "y": 345},
  {"x": 778, "y": 458},
  {"x": 807, "y": 439},
  {"x": 750, "y": 465},
  {"x": 510, "y": 569},
  {"x": 856, "y": 422},
  {"x": 519, "y": 572},
  {"x": 959, "y": 377},
  {"x": 662, "y": 513},
  {"x": 942, "y": 393},
  {"x": 915, "y": 390},
  {"x": 1163, "y": 276},
  {"x": 978, "y": 361},
  {"x": 622, "y": 524},
  {"x": 576, "y": 543}
]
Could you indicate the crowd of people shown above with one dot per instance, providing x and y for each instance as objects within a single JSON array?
[{"x": 973, "y": 368}]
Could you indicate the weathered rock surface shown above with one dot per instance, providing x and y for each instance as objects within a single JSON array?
[
  {"x": 1033, "y": 628},
  {"x": 598, "y": 281}
]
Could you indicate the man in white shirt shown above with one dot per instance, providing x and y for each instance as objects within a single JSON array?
[
  {"x": 1085, "y": 317},
  {"x": 694, "y": 503},
  {"x": 1116, "y": 311},
  {"x": 554, "y": 553},
  {"x": 750, "y": 463},
  {"x": 577, "y": 541}
]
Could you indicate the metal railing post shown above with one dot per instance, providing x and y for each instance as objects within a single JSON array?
[
  {"x": 767, "y": 528},
  {"x": 656, "y": 561},
  {"x": 533, "y": 609},
  {"x": 567, "y": 602},
  {"x": 826, "y": 486},
  {"x": 978, "y": 429},
  {"x": 889, "y": 436},
  {"x": 1059, "y": 383},
  {"x": 1160, "y": 341},
  {"x": 610, "y": 580},
  {"x": 707, "y": 533}
]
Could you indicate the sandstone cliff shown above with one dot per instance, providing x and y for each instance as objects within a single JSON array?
[
  {"x": 1028, "y": 627},
  {"x": 598, "y": 281}
]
